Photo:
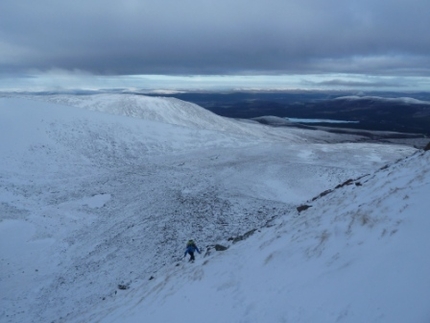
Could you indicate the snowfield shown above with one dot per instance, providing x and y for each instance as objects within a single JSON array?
[{"x": 99, "y": 192}]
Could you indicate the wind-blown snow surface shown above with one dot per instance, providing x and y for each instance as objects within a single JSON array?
[
  {"x": 359, "y": 254},
  {"x": 93, "y": 199}
]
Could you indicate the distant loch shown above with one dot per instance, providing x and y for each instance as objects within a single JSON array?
[{"x": 300, "y": 120}]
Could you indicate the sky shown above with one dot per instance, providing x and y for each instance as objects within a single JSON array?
[{"x": 208, "y": 44}]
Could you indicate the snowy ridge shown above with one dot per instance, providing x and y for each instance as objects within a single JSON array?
[
  {"x": 166, "y": 110},
  {"x": 91, "y": 200},
  {"x": 181, "y": 113},
  {"x": 63, "y": 135}
]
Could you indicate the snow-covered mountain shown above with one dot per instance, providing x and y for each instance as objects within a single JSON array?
[
  {"x": 101, "y": 191},
  {"x": 170, "y": 111}
]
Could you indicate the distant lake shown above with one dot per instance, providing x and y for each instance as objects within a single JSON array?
[{"x": 319, "y": 120}]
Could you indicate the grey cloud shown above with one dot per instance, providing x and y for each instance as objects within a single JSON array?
[
  {"x": 358, "y": 84},
  {"x": 216, "y": 37}
]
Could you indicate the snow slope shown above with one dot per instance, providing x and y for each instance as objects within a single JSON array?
[
  {"x": 178, "y": 112},
  {"x": 93, "y": 196},
  {"x": 358, "y": 254}
]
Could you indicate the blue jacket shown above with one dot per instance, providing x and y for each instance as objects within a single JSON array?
[{"x": 191, "y": 249}]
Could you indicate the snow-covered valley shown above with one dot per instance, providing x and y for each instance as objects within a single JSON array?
[{"x": 105, "y": 190}]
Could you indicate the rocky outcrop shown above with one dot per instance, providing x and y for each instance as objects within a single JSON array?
[{"x": 303, "y": 207}]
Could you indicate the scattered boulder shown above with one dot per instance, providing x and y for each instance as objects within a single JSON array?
[
  {"x": 303, "y": 207},
  {"x": 123, "y": 286},
  {"x": 219, "y": 247}
]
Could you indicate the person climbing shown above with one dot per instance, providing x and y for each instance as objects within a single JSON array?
[{"x": 191, "y": 248}]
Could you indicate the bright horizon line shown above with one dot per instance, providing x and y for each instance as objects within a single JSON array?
[{"x": 60, "y": 80}]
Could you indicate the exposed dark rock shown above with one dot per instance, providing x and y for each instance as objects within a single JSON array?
[
  {"x": 244, "y": 236},
  {"x": 219, "y": 247},
  {"x": 347, "y": 182},
  {"x": 322, "y": 194},
  {"x": 123, "y": 286},
  {"x": 303, "y": 207},
  {"x": 427, "y": 148}
]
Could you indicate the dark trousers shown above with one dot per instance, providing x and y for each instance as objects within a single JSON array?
[{"x": 191, "y": 255}]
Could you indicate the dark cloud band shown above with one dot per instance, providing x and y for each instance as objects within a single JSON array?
[{"x": 216, "y": 37}]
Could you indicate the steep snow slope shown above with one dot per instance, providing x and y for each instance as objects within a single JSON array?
[
  {"x": 90, "y": 200},
  {"x": 358, "y": 254}
]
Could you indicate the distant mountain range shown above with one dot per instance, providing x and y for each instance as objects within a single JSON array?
[{"x": 399, "y": 112}]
